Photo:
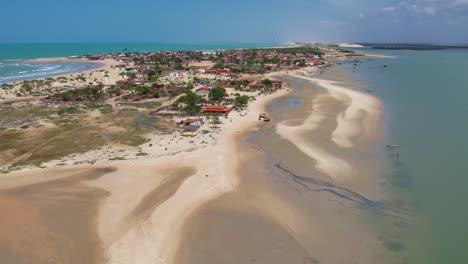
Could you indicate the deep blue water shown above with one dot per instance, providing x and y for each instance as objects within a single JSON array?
[{"x": 51, "y": 50}]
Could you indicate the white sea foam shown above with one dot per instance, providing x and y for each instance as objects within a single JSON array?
[{"x": 39, "y": 70}]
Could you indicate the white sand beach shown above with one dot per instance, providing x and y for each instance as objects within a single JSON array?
[{"x": 147, "y": 200}]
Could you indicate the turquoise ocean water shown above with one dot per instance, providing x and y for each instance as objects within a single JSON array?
[
  {"x": 13, "y": 70},
  {"x": 425, "y": 96}
]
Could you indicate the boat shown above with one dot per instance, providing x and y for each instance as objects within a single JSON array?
[{"x": 393, "y": 146}]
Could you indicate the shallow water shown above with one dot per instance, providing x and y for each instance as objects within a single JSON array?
[{"x": 425, "y": 99}]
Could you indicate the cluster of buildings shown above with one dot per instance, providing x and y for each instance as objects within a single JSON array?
[{"x": 170, "y": 73}]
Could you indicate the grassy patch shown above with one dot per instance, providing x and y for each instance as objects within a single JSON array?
[
  {"x": 147, "y": 105},
  {"x": 8, "y": 116},
  {"x": 128, "y": 138},
  {"x": 103, "y": 108},
  {"x": 72, "y": 110},
  {"x": 53, "y": 143},
  {"x": 70, "y": 135},
  {"x": 117, "y": 158},
  {"x": 10, "y": 138}
]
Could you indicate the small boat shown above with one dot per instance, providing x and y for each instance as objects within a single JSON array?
[
  {"x": 393, "y": 146},
  {"x": 262, "y": 116},
  {"x": 385, "y": 66}
]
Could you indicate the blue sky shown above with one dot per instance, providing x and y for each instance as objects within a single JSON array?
[{"x": 442, "y": 21}]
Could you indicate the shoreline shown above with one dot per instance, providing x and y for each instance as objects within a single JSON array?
[
  {"x": 142, "y": 215},
  {"x": 96, "y": 66},
  {"x": 288, "y": 204},
  {"x": 170, "y": 214}
]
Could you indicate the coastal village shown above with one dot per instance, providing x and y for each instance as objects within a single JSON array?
[{"x": 139, "y": 101}]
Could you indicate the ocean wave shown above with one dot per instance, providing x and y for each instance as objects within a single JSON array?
[
  {"x": 30, "y": 71},
  {"x": 47, "y": 68}
]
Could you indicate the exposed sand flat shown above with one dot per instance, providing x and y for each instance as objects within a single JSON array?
[
  {"x": 327, "y": 163},
  {"x": 210, "y": 205},
  {"x": 52, "y": 221},
  {"x": 135, "y": 209},
  {"x": 360, "y": 118},
  {"x": 373, "y": 55},
  {"x": 301, "y": 213}
]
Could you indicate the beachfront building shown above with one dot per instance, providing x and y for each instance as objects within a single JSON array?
[
  {"x": 216, "y": 109},
  {"x": 191, "y": 125},
  {"x": 198, "y": 122}
]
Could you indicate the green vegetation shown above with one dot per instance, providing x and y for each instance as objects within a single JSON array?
[
  {"x": 135, "y": 125},
  {"x": 67, "y": 134},
  {"x": 71, "y": 110},
  {"x": 103, "y": 108},
  {"x": 190, "y": 86},
  {"x": 191, "y": 101},
  {"x": 147, "y": 105},
  {"x": 242, "y": 100},
  {"x": 216, "y": 122},
  {"x": 143, "y": 89},
  {"x": 53, "y": 143},
  {"x": 88, "y": 93},
  {"x": 117, "y": 158},
  {"x": 217, "y": 93}
]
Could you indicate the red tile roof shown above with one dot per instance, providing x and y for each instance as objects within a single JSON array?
[{"x": 216, "y": 109}]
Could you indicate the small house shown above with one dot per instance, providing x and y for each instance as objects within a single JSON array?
[
  {"x": 203, "y": 90},
  {"x": 194, "y": 122}
]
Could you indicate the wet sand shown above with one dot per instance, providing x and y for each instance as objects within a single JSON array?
[
  {"x": 259, "y": 196},
  {"x": 54, "y": 218},
  {"x": 130, "y": 211},
  {"x": 52, "y": 221},
  {"x": 288, "y": 209}
]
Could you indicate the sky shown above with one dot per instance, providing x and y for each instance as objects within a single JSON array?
[{"x": 202, "y": 21}]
